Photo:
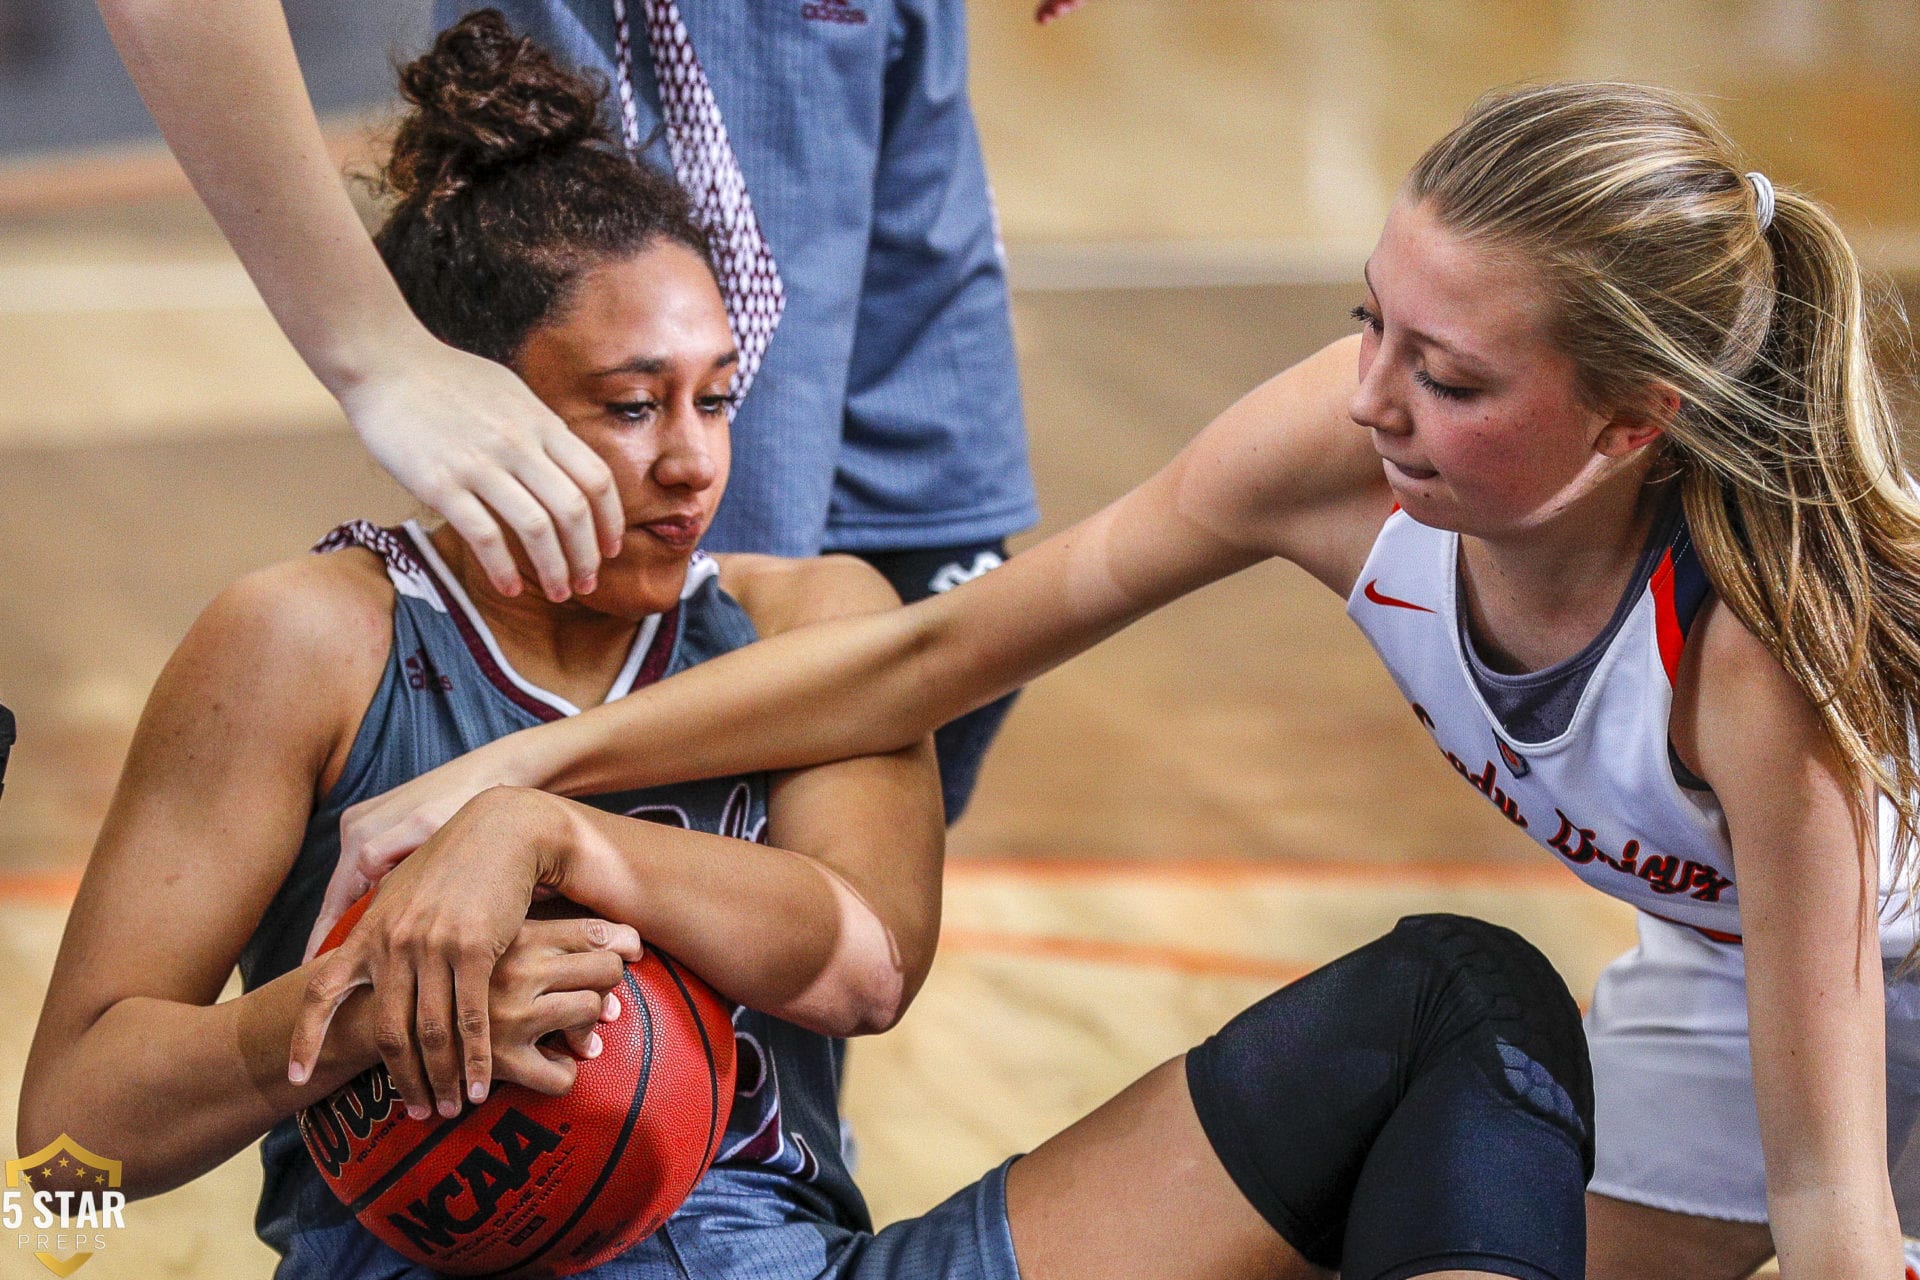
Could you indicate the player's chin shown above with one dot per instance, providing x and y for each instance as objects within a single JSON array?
[
  {"x": 1423, "y": 498},
  {"x": 1435, "y": 503},
  {"x": 633, "y": 587}
]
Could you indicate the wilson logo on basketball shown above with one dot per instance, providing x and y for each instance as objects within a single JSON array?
[
  {"x": 332, "y": 1128},
  {"x": 535, "y": 1184}
]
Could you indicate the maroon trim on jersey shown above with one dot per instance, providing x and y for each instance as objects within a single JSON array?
[
  {"x": 660, "y": 652},
  {"x": 477, "y": 648},
  {"x": 389, "y": 544}
]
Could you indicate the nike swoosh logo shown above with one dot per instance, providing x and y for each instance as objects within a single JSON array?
[{"x": 1372, "y": 592}]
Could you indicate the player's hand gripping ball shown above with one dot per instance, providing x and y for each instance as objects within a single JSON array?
[{"x": 529, "y": 1185}]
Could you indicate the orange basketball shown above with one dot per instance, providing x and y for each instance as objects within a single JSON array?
[{"x": 528, "y": 1185}]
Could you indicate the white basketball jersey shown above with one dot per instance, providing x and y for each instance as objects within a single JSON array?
[{"x": 1601, "y": 795}]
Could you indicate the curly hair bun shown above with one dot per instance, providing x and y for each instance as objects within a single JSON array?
[{"x": 485, "y": 97}]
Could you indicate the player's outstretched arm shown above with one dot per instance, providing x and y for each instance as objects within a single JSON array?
[
  {"x": 1284, "y": 472},
  {"x": 1809, "y": 896},
  {"x": 463, "y": 434}
]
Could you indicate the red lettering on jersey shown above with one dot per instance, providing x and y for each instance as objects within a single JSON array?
[
  {"x": 1664, "y": 873},
  {"x": 1484, "y": 783}
]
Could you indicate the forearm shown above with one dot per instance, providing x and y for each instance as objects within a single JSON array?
[
  {"x": 221, "y": 80},
  {"x": 1829, "y": 1198},
  {"x": 1836, "y": 1233},
  {"x": 173, "y": 1089},
  {"x": 1817, "y": 1023},
  {"x": 776, "y": 930},
  {"x": 875, "y": 683},
  {"x": 887, "y": 678}
]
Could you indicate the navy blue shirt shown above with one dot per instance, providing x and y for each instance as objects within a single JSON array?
[{"x": 886, "y": 414}]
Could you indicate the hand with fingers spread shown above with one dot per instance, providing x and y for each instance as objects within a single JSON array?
[
  {"x": 428, "y": 945},
  {"x": 465, "y": 436}
]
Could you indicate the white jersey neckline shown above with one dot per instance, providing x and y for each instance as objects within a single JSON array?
[{"x": 699, "y": 570}]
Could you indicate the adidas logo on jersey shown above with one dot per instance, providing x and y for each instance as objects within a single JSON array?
[
  {"x": 840, "y": 11},
  {"x": 421, "y": 673}
]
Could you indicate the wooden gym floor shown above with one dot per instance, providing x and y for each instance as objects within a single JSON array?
[{"x": 1214, "y": 802}]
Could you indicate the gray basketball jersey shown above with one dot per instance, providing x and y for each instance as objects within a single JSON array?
[{"x": 448, "y": 689}]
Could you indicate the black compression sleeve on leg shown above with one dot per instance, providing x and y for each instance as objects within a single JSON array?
[{"x": 1421, "y": 1104}]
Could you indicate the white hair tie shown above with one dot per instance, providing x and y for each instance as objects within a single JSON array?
[{"x": 1762, "y": 198}]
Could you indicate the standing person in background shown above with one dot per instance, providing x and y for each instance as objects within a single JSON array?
[{"x": 831, "y": 152}]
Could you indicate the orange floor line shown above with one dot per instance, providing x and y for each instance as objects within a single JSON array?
[
  {"x": 1224, "y": 871},
  {"x": 1100, "y": 951},
  {"x": 1189, "y": 960},
  {"x": 56, "y": 887}
]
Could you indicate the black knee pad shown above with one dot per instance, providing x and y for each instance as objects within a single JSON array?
[{"x": 1423, "y": 1100}]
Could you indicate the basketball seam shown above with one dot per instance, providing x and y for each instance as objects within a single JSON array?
[
  {"x": 620, "y": 1144},
  {"x": 713, "y": 1076},
  {"x": 403, "y": 1166}
]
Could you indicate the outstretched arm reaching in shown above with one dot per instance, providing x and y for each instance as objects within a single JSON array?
[{"x": 1284, "y": 472}]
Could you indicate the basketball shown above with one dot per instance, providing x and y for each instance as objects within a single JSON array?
[{"x": 529, "y": 1185}]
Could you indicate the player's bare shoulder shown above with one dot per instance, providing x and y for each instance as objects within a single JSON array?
[
  {"x": 1728, "y": 682},
  {"x": 336, "y": 607},
  {"x": 780, "y": 593},
  {"x": 308, "y": 637}
]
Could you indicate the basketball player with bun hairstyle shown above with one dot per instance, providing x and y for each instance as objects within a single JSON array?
[
  {"x": 1420, "y": 1107},
  {"x": 1610, "y": 480}
]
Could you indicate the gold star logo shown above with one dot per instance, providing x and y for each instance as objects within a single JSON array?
[{"x": 79, "y": 1163}]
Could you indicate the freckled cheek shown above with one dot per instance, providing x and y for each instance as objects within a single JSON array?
[{"x": 1490, "y": 463}]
